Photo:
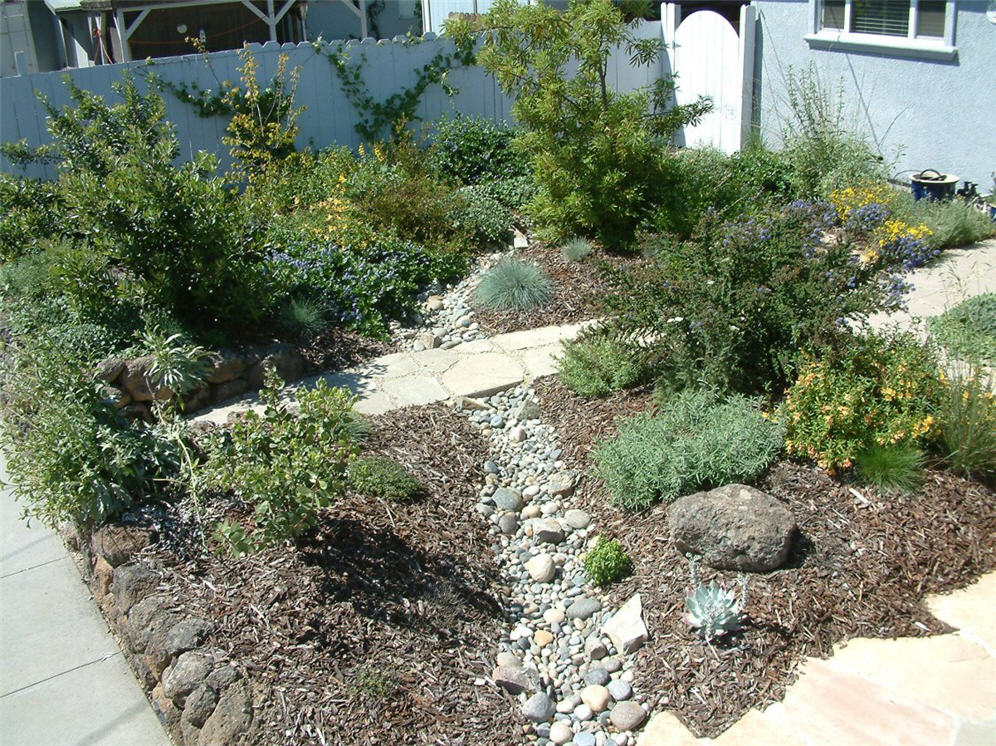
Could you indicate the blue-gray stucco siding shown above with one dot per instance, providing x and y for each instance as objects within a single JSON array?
[{"x": 935, "y": 114}]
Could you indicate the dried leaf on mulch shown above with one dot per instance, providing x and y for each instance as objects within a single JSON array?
[
  {"x": 373, "y": 631},
  {"x": 576, "y": 292},
  {"x": 858, "y": 569}
]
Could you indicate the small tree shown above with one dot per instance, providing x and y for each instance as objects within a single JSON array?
[{"x": 598, "y": 155}]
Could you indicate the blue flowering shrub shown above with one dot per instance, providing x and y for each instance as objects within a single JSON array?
[
  {"x": 471, "y": 150},
  {"x": 360, "y": 288},
  {"x": 733, "y": 306}
]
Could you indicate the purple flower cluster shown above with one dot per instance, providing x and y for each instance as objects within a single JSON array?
[{"x": 909, "y": 252}]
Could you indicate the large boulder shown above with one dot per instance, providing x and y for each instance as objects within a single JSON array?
[{"x": 734, "y": 527}]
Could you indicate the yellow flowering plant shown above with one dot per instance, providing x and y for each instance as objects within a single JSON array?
[
  {"x": 868, "y": 216},
  {"x": 875, "y": 390}
]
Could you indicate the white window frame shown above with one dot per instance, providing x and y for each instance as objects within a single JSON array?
[{"x": 908, "y": 46}]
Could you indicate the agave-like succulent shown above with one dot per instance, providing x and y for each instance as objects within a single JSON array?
[{"x": 715, "y": 611}]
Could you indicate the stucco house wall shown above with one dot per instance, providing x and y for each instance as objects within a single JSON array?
[{"x": 937, "y": 113}]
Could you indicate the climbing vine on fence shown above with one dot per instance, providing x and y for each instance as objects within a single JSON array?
[{"x": 376, "y": 116}]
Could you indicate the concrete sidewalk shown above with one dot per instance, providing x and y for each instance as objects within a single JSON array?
[{"x": 63, "y": 679}]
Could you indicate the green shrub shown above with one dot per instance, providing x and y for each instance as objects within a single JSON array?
[
  {"x": 471, "y": 150},
  {"x": 951, "y": 222},
  {"x": 284, "y": 467},
  {"x": 595, "y": 153},
  {"x": 30, "y": 211},
  {"x": 607, "y": 562},
  {"x": 363, "y": 288},
  {"x": 967, "y": 423},
  {"x": 377, "y": 476},
  {"x": 732, "y": 307},
  {"x": 597, "y": 366},
  {"x": 482, "y": 217},
  {"x": 890, "y": 468},
  {"x": 577, "y": 249},
  {"x": 869, "y": 391},
  {"x": 968, "y": 331},
  {"x": 512, "y": 193},
  {"x": 513, "y": 285},
  {"x": 823, "y": 152},
  {"x": 698, "y": 441},
  {"x": 71, "y": 454}
]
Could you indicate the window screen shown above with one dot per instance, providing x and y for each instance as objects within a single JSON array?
[
  {"x": 930, "y": 18},
  {"x": 888, "y": 17},
  {"x": 833, "y": 14}
]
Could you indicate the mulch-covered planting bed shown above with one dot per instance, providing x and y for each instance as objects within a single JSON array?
[
  {"x": 577, "y": 286},
  {"x": 374, "y": 630},
  {"x": 860, "y": 567},
  {"x": 335, "y": 349}
]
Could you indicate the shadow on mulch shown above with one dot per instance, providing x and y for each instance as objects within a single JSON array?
[
  {"x": 374, "y": 630},
  {"x": 386, "y": 579},
  {"x": 859, "y": 568}
]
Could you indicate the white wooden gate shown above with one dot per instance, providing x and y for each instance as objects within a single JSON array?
[{"x": 708, "y": 58}]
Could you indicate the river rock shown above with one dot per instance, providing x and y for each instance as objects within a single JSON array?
[
  {"x": 626, "y": 628},
  {"x": 541, "y": 568}
]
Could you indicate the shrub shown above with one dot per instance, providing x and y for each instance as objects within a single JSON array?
[
  {"x": 577, "y": 249},
  {"x": 71, "y": 454},
  {"x": 868, "y": 215},
  {"x": 377, "y": 476},
  {"x": 471, "y": 150},
  {"x": 967, "y": 423},
  {"x": 896, "y": 468},
  {"x": 511, "y": 193},
  {"x": 363, "y": 288},
  {"x": 732, "y": 307},
  {"x": 30, "y": 212},
  {"x": 869, "y": 391},
  {"x": 481, "y": 217},
  {"x": 595, "y": 153},
  {"x": 513, "y": 285},
  {"x": 607, "y": 562},
  {"x": 951, "y": 222},
  {"x": 167, "y": 236},
  {"x": 285, "y": 467},
  {"x": 698, "y": 441},
  {"x": 824, "y": 154},
  {"x": 968, "y": 330},
  {"x": 598, "y": 366}
]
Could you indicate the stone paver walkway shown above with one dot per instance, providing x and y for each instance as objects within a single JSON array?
[
  {"x": 956, "y": 275},
  {"x": 923, "y": 691},
  {"x": 479, "y": 368},
  {"x": 63, "y": 680}
]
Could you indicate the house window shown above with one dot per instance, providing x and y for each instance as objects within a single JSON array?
[{"x": 913, "y": 27}]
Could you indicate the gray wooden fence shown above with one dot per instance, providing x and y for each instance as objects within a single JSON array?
[{"x": 389, "y": 66}]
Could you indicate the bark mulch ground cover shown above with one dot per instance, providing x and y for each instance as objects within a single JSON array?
[
  {"x": 375, "y": 629},
  {"x": 860, "y": 567},
  {"x": 576, "y": 290}
]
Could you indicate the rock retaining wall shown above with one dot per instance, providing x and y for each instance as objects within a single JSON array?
[
  {"x": 230, "y": 374},
  {"x": 199, "y": 695}
]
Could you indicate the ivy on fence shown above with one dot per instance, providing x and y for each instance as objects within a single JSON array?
[{"x": 376, "y": 116}]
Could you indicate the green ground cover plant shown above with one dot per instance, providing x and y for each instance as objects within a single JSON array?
[
  {"x": 597, "y": 366},
  {"x": 378, "y": 476},
  {"x": 697, "y": 440},
  {"x": 607, "y": 562},
  {"x": 871, "y": 391},
  {"x": 968, "y": 331}
]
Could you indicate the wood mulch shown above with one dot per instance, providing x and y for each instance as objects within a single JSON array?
[
  {"x": 860, "y": 568},
  {"x": 576, "y": 292},
  {"x": 375, "y": 629}
]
